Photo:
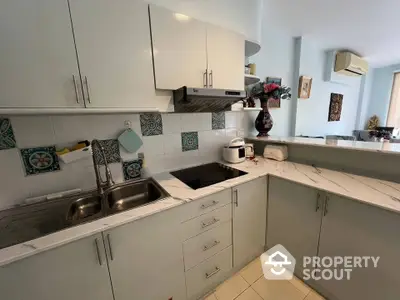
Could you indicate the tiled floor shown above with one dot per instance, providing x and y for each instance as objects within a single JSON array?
[{"x": 250, "y": 284}]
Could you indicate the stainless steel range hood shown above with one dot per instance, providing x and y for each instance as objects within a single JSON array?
[{"x": 188, "y": 99}]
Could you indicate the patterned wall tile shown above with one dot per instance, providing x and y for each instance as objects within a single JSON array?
[
  {"x": 40, "y": 160},
  {"x": 190, "y": 141},
  {"x": 111, "y": 148},
  {"x": 7, "y": 138},
  {"x": 132, "y": 169},
  {"x": 151, "y": 124},
  {"x": 218, "y": 120}
]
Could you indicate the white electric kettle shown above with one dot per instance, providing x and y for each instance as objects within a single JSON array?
[{"x": 234, "y": 152}]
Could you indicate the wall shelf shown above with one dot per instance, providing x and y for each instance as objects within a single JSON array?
[
  {"x": 251, "y": 47},
  {"x": 250, "y": 79}
]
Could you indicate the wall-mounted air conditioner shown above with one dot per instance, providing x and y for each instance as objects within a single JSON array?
[{"x": 350, "y": 64}]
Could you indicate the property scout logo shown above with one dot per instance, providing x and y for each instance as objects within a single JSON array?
[{"x": 279, "y": 264}]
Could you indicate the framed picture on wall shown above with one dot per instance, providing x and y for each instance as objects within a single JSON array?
[
  {"x": 274, "y": 103},
  {"x": 305, "y": 87},
  {"x": 276, "y": 80},
  {"x": 335, "y": 107}
]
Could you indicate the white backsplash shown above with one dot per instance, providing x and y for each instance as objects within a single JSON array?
[{"x": 162, "y": 152}]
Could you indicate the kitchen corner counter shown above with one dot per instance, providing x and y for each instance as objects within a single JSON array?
[
  {"x": 378, "y": 147},
  {"x": 380, "y": 193}
]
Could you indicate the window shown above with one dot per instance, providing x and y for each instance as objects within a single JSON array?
[{"x": 394, "y": 108}]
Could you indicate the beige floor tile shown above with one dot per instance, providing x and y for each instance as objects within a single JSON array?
[
  {"x": 277, "y": 290},
  {"x": 252, "y": 271},
  {"x": 249, "y": 294},
  {"x": 300, "y": 285},
  {"x": 211, "y": 297},
  {"x": 231, "y": 288},
  {"x": 314, "y": 296}
]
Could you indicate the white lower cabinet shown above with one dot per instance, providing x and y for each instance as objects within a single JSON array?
[
  {"x": 249, "y": 221},
  {"x": 145, "y": 258},
  {"x": 208, "y": 274},
  {"x": 75, "y": 271}
]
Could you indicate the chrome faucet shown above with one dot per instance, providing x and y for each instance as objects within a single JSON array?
[{"x": 101, "y": 185}]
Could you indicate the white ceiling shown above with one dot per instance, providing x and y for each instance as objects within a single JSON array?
[{"x": 368, "y": 27}]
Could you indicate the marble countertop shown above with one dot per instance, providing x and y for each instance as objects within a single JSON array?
[
  {"x": 380, "y": 193},
  {"x": 385, "y": 147}
]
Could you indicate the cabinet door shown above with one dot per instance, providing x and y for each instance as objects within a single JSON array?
[
  {"x": 114, "y": 49},
  {"x": 225, "y": 56},
  {"x": 146, "y": 260},
  {"x": 351, "y": 228},
  {"x": 75, "y": 271},
  {"x": 294, "y": 218},
  {"x": 249, "y": 221},
  {"x": 179, "y": 47},
  {"x": 37, "y": 55}
]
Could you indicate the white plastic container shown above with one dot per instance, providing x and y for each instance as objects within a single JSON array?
[{"x": 79, "y": 154}]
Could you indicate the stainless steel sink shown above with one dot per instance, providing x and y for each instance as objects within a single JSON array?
[
  {"x": 133, "y": 194},
  {"x": 85, "y": 208},
  {"x": 27, "y": 222}
]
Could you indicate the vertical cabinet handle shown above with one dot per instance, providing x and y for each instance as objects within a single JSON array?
[
  {"x": 87, "y": 90},
  {"x": 109, "y": 247},
  {"x": 96, "y": 241},
  {"x": 76, "y": 89},
  {"x": 235, "y": 198},
  {"x": 318, "y": 198},
  {"x": 211, "y": 79},
  {"x": 326, "y": 205},
  {"x": 205, "y": 78}
]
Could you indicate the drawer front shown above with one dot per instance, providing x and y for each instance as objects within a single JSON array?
[
  {"x": 206, "y": 222},
  {"x": 207, "y": 244},
  {"x": 204, "y": 205},
  {"x": 205, "y": 276}
]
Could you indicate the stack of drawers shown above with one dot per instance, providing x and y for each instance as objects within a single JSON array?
[{"x": 207, "y": 242}]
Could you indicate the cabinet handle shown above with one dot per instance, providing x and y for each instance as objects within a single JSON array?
[
  {"x": 208, "y": 247},
  {"x": 208, "y": 275},
  {"x": 96, "y": 241},
  {"x": 211, "y": 79},
  {"x": 87, "y": 90},
  {"x": 209, "y": 205},
  {"x": 326, "y": 205},
  {"x": 318, "y": 197},
  {"x": 109, "y": 247},
  {"x": 235, "y": 198},
  {"x": 213, "y": 221},
  {"x": 205, "y": 78},
  {"x": 76, "y": 89}
]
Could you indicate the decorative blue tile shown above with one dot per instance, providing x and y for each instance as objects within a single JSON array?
[
  {"x": 40, "y": 160},
  {"x": 151, "y": 124},
  {"x": 132, "y": 169},
  {"x": 111, "y": 149},
  {"x": 218, "y": 120},
  {"x": 7, "y": 138},
  {"x": 190, "y": 141}
]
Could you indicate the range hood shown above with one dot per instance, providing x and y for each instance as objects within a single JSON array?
[{"x": 188, "y": 99}]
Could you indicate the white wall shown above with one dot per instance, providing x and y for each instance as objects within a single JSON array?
[
  {"x": 275, "y": 59},
  {"x": 162, "y": 152},
  {"x": 312, "y": 113}
]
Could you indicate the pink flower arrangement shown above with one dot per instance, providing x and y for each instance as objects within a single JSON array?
[{"x": 270, "y": 87}]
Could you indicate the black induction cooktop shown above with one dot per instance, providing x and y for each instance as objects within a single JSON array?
[{"x": 205, "y": 175}]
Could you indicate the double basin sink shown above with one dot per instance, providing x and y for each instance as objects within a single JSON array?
[{"x": 28, "y": 222}]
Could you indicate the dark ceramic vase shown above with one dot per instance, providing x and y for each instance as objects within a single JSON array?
[{"x": 264, "y": 122}]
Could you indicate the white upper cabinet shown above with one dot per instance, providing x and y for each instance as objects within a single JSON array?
[
  {"x": 194, "y": 53},
  {"x": 114, "y": 51},
  {"x": 179, "y": 46},
  {"x": 225, "y": 53},
  {"x": 37, "y": 55}
]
